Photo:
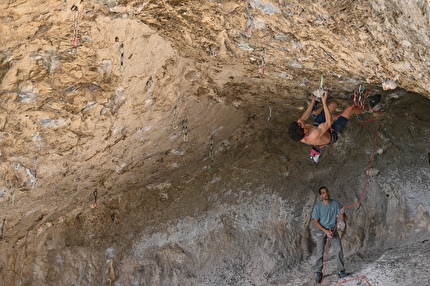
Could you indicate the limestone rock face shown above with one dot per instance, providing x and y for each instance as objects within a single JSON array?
[{"x": 145, "y": 142}]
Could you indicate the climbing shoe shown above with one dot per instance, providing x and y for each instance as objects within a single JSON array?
[
  {"x": 318, "y": 277},
  {"x": 375, "y": 100},
  {"x": 315, "y": 154},
  {"x": 342, "y": 274}
]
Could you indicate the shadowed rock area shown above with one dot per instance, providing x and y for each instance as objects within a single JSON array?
[{"x": 145, "y": 142}]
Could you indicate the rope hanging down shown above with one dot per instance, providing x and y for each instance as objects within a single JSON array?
[
  {"x": 375, "y": 144},
  {"x": 361, "y": 279}
]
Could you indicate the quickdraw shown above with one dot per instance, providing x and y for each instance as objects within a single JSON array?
[
  {"x": 360, "y": 97},
  {"x": 75, "y": 9},
  {"x": 211, "y": 149},
  {"x": 121, "y": 50},
  {"x": 2, "y": 228},
  {"x": 320, "y": 91},
  {"x": 248, "y": 29},
  {"x": 94, "y": 205},
  {"x": 262, "y": 63},
  {"x": 270, "y": 114},
  {"x": 35, "y": 172},
  {"x": 185, "y": 129},
  {"x": 175, "y": 114}
]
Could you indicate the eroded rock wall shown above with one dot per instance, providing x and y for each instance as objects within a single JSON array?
[{"x": 167, "y": 110}]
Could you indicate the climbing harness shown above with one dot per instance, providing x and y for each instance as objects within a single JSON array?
[
  {"x": 75, "y": 9},
  {"x": 185, "y": 129},
  {"x": 175, "y": 114},
  {"x": 121, "y": 50},
  {"x": 248, "y": 29},
  {"x": 94, "y": 205},
  {"x": 262, "y": 63}
]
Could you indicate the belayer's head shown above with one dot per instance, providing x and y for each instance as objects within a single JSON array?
[
  {"x": 296, "y": 131},
  {"x": 322, "y": 190},
  {"x": 324, "y": 194}
]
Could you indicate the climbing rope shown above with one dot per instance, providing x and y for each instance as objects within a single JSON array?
[
  {"x": 375, "y": 144},
  {"x": 361, "y": 279},
  {"x": 185, "y": 129},
  {"x": 94, "y": 205}
]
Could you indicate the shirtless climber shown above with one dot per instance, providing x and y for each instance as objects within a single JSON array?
[{"x": 320, "y": 134}]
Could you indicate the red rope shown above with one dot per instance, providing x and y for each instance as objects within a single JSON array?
[
  {"x": 327, "y": 244},
  {"x": 375, "y": 144},
  {"x": 352, "y": 279}
]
